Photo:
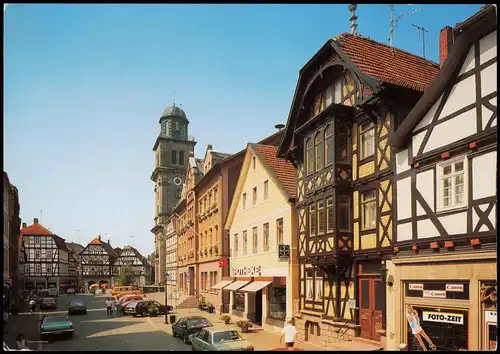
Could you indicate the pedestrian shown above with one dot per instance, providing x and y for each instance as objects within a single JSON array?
[
  {"x": 109, "y": 309},
  {"x": 32, "y": 305},
  {"x": 288, "y": 333},
  {"x": 21, "y": 342}
]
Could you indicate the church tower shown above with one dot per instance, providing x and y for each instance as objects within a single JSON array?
[{"x": 172, "y": 150}]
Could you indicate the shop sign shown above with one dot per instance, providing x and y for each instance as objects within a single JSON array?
[
  {"x": 435, "y": 293},
  {"x": 416, "y": 286},
  {"x": 443, "y": 317},
  {"x": 247, "y": 271},
  {"x": 455, "y": 287},
  {"x": 490, "y": 316}
]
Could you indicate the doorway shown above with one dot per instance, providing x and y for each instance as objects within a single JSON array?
[
  {"x": 191, "y": 281},
  {"x": 372, "y": 307},
  {"x": 258, "y": 308}
]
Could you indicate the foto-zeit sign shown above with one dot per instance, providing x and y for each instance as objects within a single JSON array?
[{"x": 443, "y": 317}]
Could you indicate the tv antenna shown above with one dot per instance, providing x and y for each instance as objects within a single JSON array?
[
  {"x": 423, "y": 30},
  {"x": 393, "y": 22}
]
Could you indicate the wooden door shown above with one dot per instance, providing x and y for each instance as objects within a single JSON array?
[{"x": 372, "y": 307}]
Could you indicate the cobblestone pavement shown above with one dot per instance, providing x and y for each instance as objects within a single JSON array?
[{"x": 95, "y": 331}]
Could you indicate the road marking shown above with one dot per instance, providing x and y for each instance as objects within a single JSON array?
[{"x": 152, "y": 323}]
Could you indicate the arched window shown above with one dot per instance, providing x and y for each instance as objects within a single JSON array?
[
  {"x": 309, "y": 156},
  {"x": 210, "y": 238},
  {"x": 174, "y": 157},
  {"x": 319, "y": 151},
  {"x": 328, "y": 144},
  {"x": 216, "y": 232}
]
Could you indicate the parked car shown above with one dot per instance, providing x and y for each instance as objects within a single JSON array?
[
  {"x": 219, "y": 339},
  {"x": 130, "y": 304},
  {"x": 48, "y": 303},
  {"x": 53, "y": 292},
  {"x": 129, "y": 298},
  {"x": 141, "y": 308},
  {"x": 186, "y": 326},
  {"x": 56, "y": 325},
  {"x": 77, "y": 306},
  {"x": 70, "y": 291}
]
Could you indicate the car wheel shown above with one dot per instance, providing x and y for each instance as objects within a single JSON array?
[{"x": 173, "y": 334}]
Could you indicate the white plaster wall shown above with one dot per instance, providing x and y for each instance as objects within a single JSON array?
[
  {"x": 429, "y": 116},
  {"x": 461, "y": 95},
  {"x": 469, "y": 62},
  {"x": 426, "y": 229},
  {"x": 402, "y": 161},
  {"x": 455, "y": 223},
  {"x": 425, "y": 185},
  {"x": 493, "y": 217},
  {"x": 452, "y": 130},
  {"x": 488, "y": 47},
  {"x": 486, "y": 115},
  {"x": 484, "y": 175},
  {"x": 416, "y": 141},
  {"x": 404, "y": 232},
  {"x": 489, "y": 79},
  {"x": 404, "y": 198}
]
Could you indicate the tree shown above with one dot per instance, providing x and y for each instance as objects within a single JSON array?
[{"x": 127, "y": 275}]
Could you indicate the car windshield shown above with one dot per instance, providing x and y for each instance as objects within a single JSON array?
[
  {"x": 77, "y": 303},
  {"x": 55, "y": 319},
  {"x": 198, "y": 323},
  {"x": 226, "y": 336}
]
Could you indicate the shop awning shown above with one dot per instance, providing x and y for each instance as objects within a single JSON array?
[
  {"x": 256, "y": 286},
  {"x": 222, "y": 284},
  {"x": 237, "y": 285}
]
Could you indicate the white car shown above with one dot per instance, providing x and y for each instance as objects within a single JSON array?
[{"x": 70, "y": 291}]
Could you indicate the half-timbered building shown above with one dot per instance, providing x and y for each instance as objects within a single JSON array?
[
  {"x": 349, "y": 98},
  {"x": 74, "y": 266},
  {"x": 97, "y": 260},
  {"x": 130, "y": 257},
  {"x": 445, "y": 269},
  {"x": 46, "y": 262}
]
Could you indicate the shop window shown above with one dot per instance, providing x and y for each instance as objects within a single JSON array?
[
  {"x": 277, "y": 303},
  {"x": 445, "y": 328},
  {"x": 239, "y": 301}
]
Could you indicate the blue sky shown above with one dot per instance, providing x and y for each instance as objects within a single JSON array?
[{"x": 85, "y": 86}]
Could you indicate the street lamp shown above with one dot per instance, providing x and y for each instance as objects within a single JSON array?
[{"x": 167, "y": 278}]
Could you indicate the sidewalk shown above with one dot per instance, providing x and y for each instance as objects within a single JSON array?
[
  {"x": 25, "y": 323},
  {"x": 261, "y": 339}
]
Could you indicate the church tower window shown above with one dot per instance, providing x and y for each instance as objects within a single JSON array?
[{"x": 174, "y": 157}]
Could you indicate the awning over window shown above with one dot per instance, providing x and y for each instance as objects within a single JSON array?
[
  {"x": 237, "y": 285},
  {"x": 222, "y": 284},
  {"x": 256, "y": 286}
]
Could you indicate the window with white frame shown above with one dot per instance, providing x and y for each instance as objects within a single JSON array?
[
  {"x": 279, "y": 231},
  {"x": 266, "y": 189},
  {"x": 265, "y": 231},
  {"x": 452, "y": 180},
  {"x": 37, "y": 255},
  {"x": 368, "y": 209},
  {"x": 38, "y": 268},
  {"x": 367, "y": 137},
  {"x": 255, "y": 240},
  {"x": 309, "y": 285},
  {"x": 254, "y": 195},
  {"x": 318, "y": 288}
]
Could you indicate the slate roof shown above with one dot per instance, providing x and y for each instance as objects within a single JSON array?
[
  {"x": 74, "y": 247},
  {"x": 218, "y": 157},
  {"x": 387, "y": 64},
  {"x": 284, "y": 170}
]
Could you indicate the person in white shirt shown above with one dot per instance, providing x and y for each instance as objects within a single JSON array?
[
  {"x": 109, "y": 307},
  {"x": 288, "y": 333},
  {"x": 21, "y": 342}
]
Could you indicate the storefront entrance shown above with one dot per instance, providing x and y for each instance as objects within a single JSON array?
[
  {"x": 447, "y": 328},
  {"x": 372, "y": 307},
  {"x": 258, "y": 307}
]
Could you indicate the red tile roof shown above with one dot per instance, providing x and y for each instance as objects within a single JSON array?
[
  {"x": 37, "y": 230},
  {"x": 96, "y": 241},
  {"x": 284, "y": 170},
  {"x": 388, "y": 64}
]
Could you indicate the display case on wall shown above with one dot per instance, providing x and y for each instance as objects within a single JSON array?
[{"x": 488, "y": 297}]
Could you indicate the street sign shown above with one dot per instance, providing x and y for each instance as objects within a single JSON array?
[{"x": 283, "y": 251}]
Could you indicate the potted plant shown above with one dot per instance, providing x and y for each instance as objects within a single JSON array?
[
  {"x": 225, "y": 318},
  {"x": 244, "y": 325}
]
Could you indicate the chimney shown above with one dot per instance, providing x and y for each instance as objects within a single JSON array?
[
  {"x": 99, "y": 237},
  {"x": 109, "y": 242},
  {"x": 24, "y": 225},
  {"x": 35, "y": 220},
  {"x": 209, "y": 147},
  {"x": 445, "y": 43},
  {"x": 354, "y": 27}
]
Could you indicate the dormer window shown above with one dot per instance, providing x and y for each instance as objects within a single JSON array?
[{"x": 331, "y": 94}]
